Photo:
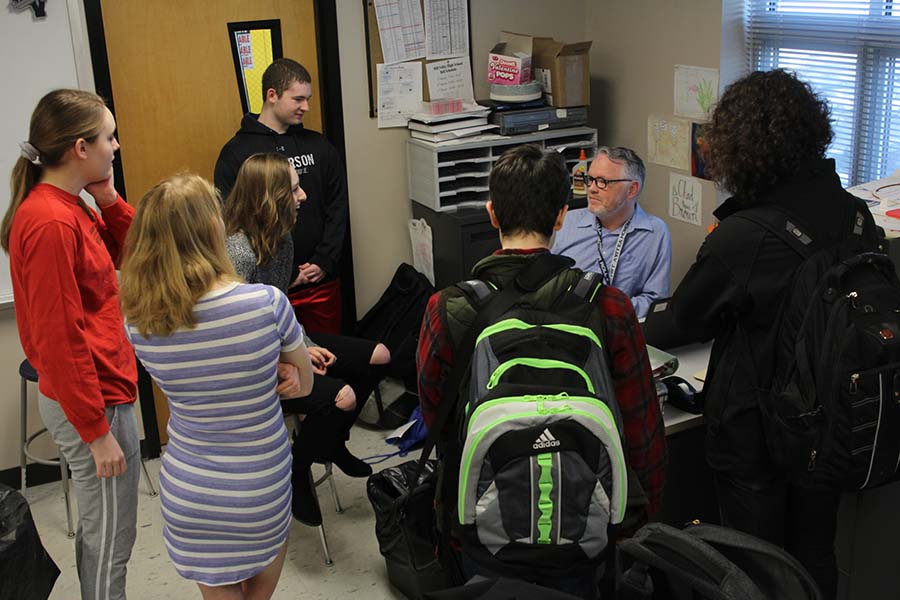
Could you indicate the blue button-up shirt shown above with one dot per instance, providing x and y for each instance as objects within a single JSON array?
[{"x": 645, "y": 261}]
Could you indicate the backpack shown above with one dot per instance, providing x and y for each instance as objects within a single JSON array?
[
  {"x": 534, "y": 475},
  {"x": 831, "y": 416},
  {"x": 709, "y": 562},
  {"x": 395, "y": 319}
]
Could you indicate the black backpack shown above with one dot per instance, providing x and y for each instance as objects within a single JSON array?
[
  {"x": 711, "y": 563},
  {"x": 832, "y": 418}
]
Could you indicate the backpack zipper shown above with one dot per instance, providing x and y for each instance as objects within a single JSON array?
[
  {"x": 508, "y": 324},
  {"x": 537, "y": 363},
  {"x": 538, "y": 400},
  {"x": 470, "y": 416},
  {"x": 854, "y": 384}
]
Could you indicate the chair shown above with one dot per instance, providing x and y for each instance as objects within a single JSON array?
[
  {"x": 26, "y": 374},
  {"x": 328, "y": 476}
]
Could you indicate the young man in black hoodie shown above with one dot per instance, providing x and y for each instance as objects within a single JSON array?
[{"x": 322, "y": 219}]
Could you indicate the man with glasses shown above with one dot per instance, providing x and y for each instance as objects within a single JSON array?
[{"x": 613, "y": 236}]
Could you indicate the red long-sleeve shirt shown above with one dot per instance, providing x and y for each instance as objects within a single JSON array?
[{"x": 67, "y": 304}]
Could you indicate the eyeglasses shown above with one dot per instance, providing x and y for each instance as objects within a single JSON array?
[{"x": 602, "y": 182}]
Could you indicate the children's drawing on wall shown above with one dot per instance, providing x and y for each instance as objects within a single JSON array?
[
  {"x": 668, "y": 142},
  {"x": 685, "y": 198},
  {"x": 696, "y": 91},
  {"x": 698, "y": 152}
]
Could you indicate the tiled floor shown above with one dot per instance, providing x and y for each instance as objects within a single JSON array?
[{"x": 358, "y": 569}]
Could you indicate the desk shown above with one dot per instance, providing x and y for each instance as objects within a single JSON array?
[
  {"x": 692, "y": 359},
  {"x": 689, "y": 493}
]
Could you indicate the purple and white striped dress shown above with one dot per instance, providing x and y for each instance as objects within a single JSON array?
[{"x": 226, "y": 472}]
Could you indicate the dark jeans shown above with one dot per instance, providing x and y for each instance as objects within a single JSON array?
[
  {"x": 326, "y": 428},
  {"x": 801, "y": 521}
]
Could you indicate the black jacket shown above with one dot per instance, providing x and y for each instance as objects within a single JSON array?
[
  {"x": 322, "y": 219},
  {"x": 734, "y": 293}
]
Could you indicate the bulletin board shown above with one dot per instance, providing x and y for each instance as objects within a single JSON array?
[{"x": 374, "y": 55}]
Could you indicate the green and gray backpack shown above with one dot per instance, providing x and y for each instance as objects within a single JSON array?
[{"x": 535, "y": 465}]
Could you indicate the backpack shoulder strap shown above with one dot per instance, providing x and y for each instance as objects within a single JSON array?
[
  {"x": 476, "y": 291},
  {"x": 754, "y": 555},
  {"x": 586, "y": 289},
  {"x": 689, "y": 562},
  {"x": 588, "y": 285},
  {"x": 790, "y": 229},
  {"x": 781, "y": 225}
]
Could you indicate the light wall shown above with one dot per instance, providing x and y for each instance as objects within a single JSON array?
[
  {"x": 376, "y": 158},
  {"x": 636, "y": 47}
]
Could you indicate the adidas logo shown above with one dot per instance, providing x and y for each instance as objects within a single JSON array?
[{"x": 545, "y": 440}]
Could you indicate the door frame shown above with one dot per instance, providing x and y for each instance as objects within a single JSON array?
[{"x": 333, "y": 129}]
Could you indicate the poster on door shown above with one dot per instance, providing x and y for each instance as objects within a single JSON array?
[{"x": 254, "y": 45}]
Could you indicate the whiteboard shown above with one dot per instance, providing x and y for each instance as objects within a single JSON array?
[{"x": 38, "y": 57}]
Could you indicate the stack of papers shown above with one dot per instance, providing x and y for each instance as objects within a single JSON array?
[
  {"x": 453, "y": 126},
  {"x": 451, "y": 130},
  {"x": 470, "y": 109}
]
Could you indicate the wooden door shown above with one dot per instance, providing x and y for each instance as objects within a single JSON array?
[{"x": 174, "y": 87}]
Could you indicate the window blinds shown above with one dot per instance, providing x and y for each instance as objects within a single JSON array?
[{"x": 849, "y": 51}]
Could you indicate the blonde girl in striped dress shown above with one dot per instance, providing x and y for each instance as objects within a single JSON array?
[{"x": 213, "y": 346}]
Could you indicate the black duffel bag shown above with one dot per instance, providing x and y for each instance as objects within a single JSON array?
[
  {"x": 405, "y": 528},
  {"x": 26, "y": 570}
]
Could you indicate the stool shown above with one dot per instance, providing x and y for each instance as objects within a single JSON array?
[
  {"x": 26, "y": 374},
  {"x": 329, "y": 477}
]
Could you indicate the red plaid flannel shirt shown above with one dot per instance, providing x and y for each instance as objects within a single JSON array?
[{"x": 645, "y": 437}]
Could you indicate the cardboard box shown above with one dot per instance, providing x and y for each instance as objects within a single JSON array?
[
  {"x": 509, "y": 61},
  {"x": 563, "y": 70}
]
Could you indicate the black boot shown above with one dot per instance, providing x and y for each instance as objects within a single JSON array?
[
  {"x": 305, "y": 503},
  {"x": 349, "y": 464}
]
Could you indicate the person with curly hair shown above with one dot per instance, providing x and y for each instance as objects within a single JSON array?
[{"x": 766, "y": 144}]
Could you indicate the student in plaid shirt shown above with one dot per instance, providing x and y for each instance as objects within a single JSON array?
[{"x": 527, "y": 206}]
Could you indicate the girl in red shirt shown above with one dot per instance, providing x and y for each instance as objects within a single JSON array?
[{"x": 63, "y": 258}]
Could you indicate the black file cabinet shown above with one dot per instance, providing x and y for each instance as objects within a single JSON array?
[{"x": 459, "y": 240}]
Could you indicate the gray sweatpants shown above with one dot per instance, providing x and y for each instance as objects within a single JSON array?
[{"x": 107, "y": 508}]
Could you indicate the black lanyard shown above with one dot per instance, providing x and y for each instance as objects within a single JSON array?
[{"x": 609, "y": 271}]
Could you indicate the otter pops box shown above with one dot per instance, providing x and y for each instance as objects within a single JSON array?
[{"x": 509, "y": 61}]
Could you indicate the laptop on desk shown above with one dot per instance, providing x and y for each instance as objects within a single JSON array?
[{"x": 659, "y": 327}]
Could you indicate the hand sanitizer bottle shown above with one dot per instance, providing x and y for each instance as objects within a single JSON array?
[{"x": 578, "y": 171}]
